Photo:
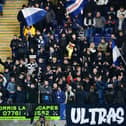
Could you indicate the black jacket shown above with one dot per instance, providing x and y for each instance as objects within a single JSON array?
[{"x": 20, "y": 17}]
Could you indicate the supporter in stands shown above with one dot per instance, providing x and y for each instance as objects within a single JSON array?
[
  {"x": 111, "y": 12},
  {"x": 21, "y": 20},
  {"x": 2, "y": 2},
  {"x": 60, "y": 11},
  {"x": 32, "y": 93},
  {"x": 70, "y": 49},
  {"x": 32, "y": 65},
  {"x": 20, "y": 95},
  {"x": 11, "y": 88},
  {"x": 59, "y": 96},
  {"x": 91, "y": 7},
  {"x": 70, "y": 96},
  {"x": 101, "y": 6},
  {"x": 32, "y": 2},
  {"x": 50, "y": 17},
  {"x": 41, "y": 122},
  {"x": 3, "y": 91},
  {"x": 19, "y": 69},
  {"x": 29, "y": 31},
  {"x": 120, "y": 24},
  {"x": 101, "y": 2},
  {"x": 121, "y": 12},
  {"x": 89, "y": 23},
  {"x": 46, "y": 93},
  {"x": 92, "y": 96},
  {"x": 7, "y": 64},
  {"x": 103, "y": 45},
  {"x": 117, "y": 4},
  {"x": 63, "y": 43},
  {"x": 100, "y": 87},
  {"x": 3, "y": 81},
  {"x": 21, "y": 49},
  {"x": 14, "y": 46},
  {"x": 110, "y": 25},
  {"x": 120, "y": 39},
  {"x": 119, "y": 90},
  {"x": 6, "y": 73},
  {"x": 84, "y": 75},
  {"x": 40, "y": 42},
  {"x": 80, "y": 95},
  {"x": 77, "y": 23},
  {"x": 92, "y": 51},
  {"x": 99, "y": 23}
]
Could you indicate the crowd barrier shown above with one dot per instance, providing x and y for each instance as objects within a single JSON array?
[
  {"x": 113, "y": 115},
  {"x": 75, "y": 115}
]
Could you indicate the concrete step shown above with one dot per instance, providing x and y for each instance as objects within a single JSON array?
[
  {"x": 5, "y": 52},
  {"x": 15, "y": 2},
  {"x": 8, "y": 30},
  {"x": 10, "y": 12},
  {"x": 8, "y": 20},
  {"x": 4, "y": 45},
  {"x": 9, "y": 25}
]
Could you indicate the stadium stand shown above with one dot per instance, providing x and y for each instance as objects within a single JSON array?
[
  {"x": 66, "y": 60},
  {"x": 9, "y": 26}
]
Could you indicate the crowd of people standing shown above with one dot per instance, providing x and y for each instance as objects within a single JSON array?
[{"x": 58, "y": 60}]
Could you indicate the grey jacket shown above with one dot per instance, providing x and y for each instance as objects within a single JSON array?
[{"x": 99, "y": 22}]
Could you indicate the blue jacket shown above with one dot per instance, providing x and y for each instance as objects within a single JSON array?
[
  {"x": 59, "y": 97},
  {"x": 11, "y": 87}
]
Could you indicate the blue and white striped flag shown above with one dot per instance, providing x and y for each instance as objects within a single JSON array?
[
  {"x": 33, "y": 15},
  {"x": 74, "y": 7},
  {"x": 115, "y": 53}
]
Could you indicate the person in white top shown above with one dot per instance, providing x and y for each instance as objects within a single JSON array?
[
  {"x": 101, "y": 5},
  {"x": 101, "y": 2},
  {"x": 121, "y": 20},
  {"x": 121, "y": 12}
]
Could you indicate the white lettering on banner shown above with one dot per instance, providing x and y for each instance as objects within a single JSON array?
[
  {"x": 93, "y": 111},
  {"x": 102, "y": 114},
  {"x": 120, "y": 119},
  {"x": 88, "y": 116},
  {"x": 83, "y": 119},
  {"x": 111, "y": 116},
  {"x": 75, "y": 118}
]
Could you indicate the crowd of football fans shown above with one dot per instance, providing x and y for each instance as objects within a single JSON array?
[{"x": 68, "y": 59}]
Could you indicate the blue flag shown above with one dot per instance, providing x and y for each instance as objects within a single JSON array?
[
  {"x": 115, "y": 53},
  {"x": 74, "y": 7},
  {"x": 33, "y": 15}
]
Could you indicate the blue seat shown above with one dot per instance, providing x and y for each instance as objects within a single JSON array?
[
  {"x": 97, "y": 39},
  {"x": 108, "y": 37}
]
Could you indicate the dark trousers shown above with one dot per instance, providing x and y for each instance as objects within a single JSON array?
[{"x": 22, "y": 30}]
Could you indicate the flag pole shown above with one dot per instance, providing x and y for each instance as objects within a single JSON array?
[{"x": 122, "y": 57}]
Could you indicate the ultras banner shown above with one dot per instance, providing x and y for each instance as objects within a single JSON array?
[{"x": 77, "y": 115}]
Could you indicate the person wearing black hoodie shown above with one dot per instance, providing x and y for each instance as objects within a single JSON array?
[{"x": 21, "y": 20}]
